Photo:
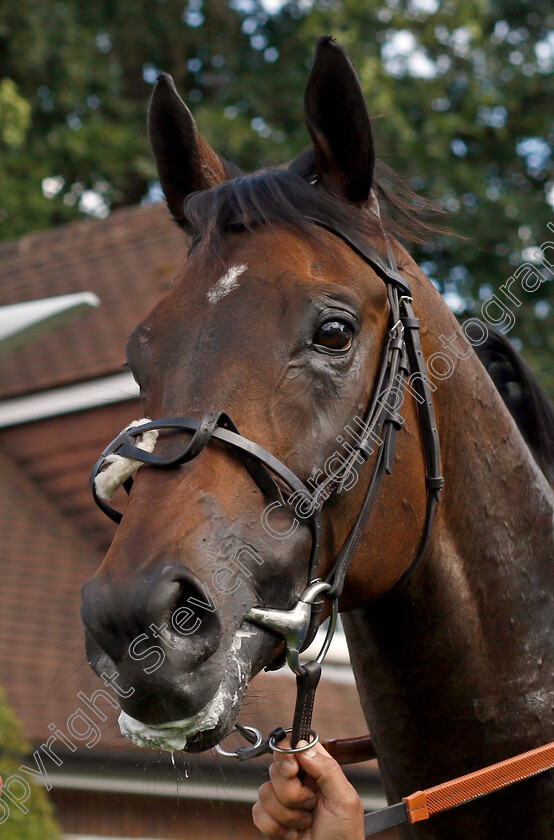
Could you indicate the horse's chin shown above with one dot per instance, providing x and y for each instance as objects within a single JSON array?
[
  {"x": 202, "y": 730},
  {"x": 176, "y": 736}
]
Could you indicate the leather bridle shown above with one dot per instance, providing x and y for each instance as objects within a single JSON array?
[{"x": 402, "y": 355}]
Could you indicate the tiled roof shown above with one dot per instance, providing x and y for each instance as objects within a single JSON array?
[
  {"x": 43, "y": 563},
  {"x": 58, "y": 454},
  {"x": 129, "y": 260}
]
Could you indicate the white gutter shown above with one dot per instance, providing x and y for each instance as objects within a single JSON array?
[
  {"x": 187, "y": 789},
  {"x": 24, "y": 322},
  {"x": 103, "y": 837},
  {"x": 85, "y": 395}
]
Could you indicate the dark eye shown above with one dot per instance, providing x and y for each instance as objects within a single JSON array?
[{"x": 334, "y": 335}]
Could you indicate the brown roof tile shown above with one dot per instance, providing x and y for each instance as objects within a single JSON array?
[{"x": 42, "y": 566}]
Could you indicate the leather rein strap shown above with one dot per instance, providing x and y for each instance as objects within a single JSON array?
[{"x": 434, "y": 800}]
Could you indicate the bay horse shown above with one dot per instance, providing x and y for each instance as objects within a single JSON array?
[{"x": 280, "y": 324}]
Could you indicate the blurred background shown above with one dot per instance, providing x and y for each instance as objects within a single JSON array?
[{"x": 461, "y": 98}]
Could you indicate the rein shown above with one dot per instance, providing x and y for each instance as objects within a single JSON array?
[{"x": 402, "y": 354}]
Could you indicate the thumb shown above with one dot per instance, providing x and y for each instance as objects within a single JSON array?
[{"x": 328, "y": 774}]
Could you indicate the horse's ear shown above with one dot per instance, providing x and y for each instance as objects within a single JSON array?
[
  {"x": 338, "y": 122},
  {"x": 185, "y": 162}
]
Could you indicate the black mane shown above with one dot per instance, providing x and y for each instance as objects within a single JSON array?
[{"x": 523, "y": 396}]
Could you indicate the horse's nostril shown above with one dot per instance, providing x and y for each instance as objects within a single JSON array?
[
  {"x": 170, "y": 610},
  {"x": 194, "y": 615},
  {"x": 183, "y": 616}
]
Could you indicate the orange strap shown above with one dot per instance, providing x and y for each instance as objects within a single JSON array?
[{"x": 425, "y": 803}]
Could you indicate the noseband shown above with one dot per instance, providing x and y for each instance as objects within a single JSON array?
[{"x": 402, "y": 354}]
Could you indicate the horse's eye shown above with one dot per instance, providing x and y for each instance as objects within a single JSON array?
[{"x": 334, "y": 335}]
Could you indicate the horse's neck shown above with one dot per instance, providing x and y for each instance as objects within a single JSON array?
[{"x": 456, "y": 671}]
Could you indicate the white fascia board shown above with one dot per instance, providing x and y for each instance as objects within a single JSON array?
[
  {"x": 21, "y": 323},
  {"x": 185, "y": 789},
  {"x": 102, "y": 837},
  {"x": 81, "y": 397}
]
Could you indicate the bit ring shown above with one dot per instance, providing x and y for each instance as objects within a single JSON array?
[
  {"x": 251, "y": 729},
  {"x": 291, "y": 750}
]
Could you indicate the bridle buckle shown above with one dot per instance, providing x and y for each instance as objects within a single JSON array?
[{"x": 398, "y": 326}]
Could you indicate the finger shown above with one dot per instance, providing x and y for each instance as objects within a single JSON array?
[
  {"x": 270, "y": 827},
  {"x": 292, "y": 818},
  {"x": 285, "y": 766},
  {"x": 291, "y": 792},
  {"x": 286, "y": 763}
]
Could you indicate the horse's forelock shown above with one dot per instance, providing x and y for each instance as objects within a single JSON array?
[{"x": 268, "y": 198}]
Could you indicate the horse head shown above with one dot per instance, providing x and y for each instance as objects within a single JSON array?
[{"x": 272, "y": 334}]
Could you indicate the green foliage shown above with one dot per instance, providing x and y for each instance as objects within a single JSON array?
[
  {"x": 459, "y": 91},
  {"x": 15, "y": 115},
  {"x": 39, "y": 823}
]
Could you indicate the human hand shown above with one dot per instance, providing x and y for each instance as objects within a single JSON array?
[{"x": 323, "y": 807}]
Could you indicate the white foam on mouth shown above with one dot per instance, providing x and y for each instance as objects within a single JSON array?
[
  {"x": 175, "y": 734},
  {"x": 226, "y": 283}
]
